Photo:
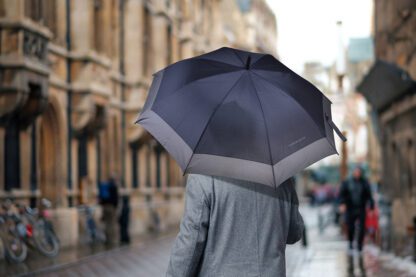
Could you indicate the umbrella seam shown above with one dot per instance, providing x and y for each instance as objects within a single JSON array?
[
  {"x": 190, "y": 83},
  {"x": 199, "y": 57},
  {"x": 215, "y": 61},
  {"x": 267, "y": 131},
  {"x": 238, "y": 56},
  {"x": 294, "y": 73},
  {"x": 209, "y": 119},
  {"x": 264, "y": 56},
  {"x": 294, "y": 100},
  {"x": 249, "y": 55},
  {"x": 257, "y": 231}
]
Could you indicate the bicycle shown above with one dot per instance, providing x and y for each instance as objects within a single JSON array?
[
  {"x": 40, "y": 233},
  {"x": 93, "y": 233},
  {"x": 11, "y": 229}
]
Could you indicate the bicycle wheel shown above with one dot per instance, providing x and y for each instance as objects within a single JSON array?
[
  {"x": 15, "y": 248},
  {"x": 45, "y": 239}
]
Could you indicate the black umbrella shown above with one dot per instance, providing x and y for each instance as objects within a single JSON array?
[{"x": 239, "y": 114}]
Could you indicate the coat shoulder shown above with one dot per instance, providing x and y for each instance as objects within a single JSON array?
[
  {"x": 201, "y": 183},
  {"x": 200, "y": 178}
]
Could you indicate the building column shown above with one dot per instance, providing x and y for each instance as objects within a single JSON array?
[
  {"x": 82, "y": 29},
  {"x": 133, "y": 49},
  {"x": 159, "y": 35}
]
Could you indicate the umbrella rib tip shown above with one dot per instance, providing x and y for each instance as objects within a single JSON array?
[{"x": 248, "y": 62}]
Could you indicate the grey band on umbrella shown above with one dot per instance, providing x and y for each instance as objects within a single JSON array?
[
  {"x": 233, "y": 167},
  {"x": 301, "y": 159},
  {"x": 169, "y": 139}
]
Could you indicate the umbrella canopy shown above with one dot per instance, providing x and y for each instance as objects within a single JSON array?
[{"x": 239, "y": 114}]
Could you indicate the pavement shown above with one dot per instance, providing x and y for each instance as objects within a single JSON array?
[
  {"x": 39, "y": 265},
  {"x": 325, "y": 255}
]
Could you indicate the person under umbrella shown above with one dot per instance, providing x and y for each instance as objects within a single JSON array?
[{"x": 241, "y": 124}]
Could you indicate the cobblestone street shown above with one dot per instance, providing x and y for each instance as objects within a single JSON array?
[{"x": 325, "y": 256}]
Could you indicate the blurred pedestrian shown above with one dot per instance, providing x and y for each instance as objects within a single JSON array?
[
  {"x": 124, "y": 220},
  {"x": 355, "y": 195},
  {"x": 232, "y": 227},
  {"x": 108, "y": 198}
]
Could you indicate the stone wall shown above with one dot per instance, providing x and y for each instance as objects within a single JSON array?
[
  {"x": 394, "y": 31},
  {"x": 74, "y": 76}
]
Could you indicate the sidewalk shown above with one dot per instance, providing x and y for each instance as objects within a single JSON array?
[
  {"x": 326, "y": 255},
  {"x": 37, "y": 264},
  {"x": 145, "y": 259}
]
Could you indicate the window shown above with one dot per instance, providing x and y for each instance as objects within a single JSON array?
[
  {"x": 135, "y": 166},
  {"x": 42, "y": 11},
  {"x": 33, "y": 160},
  {"x": 50, "y": 15},
  {"x": 98, "y": 21},
  {"x": 167, "y": 170},
  {"x": 158, "y": 168},
  {"x": 410, "y": 165},
  {"x": 148, "y": 171},
  {"x": 98, "y": 153},
  {"x": 34, "y": 10},
  {"x": 12, "y": 156},
  {"x": 82, "y": 155}
]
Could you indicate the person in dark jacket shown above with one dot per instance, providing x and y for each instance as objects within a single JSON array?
[
  {"x": 355, "y": 195},
  {"x": 123, "y": 220},
  {"x": 108, "y": 196}
]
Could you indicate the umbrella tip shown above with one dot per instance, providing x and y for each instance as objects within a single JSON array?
[{"x": 248, "y": 62}]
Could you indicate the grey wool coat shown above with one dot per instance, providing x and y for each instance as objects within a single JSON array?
[{"x": 234, "y": 228}]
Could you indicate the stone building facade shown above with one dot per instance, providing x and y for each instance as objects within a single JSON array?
[
  {"x": 73, "y": 76},
  {"x": 390, "y": 88}
]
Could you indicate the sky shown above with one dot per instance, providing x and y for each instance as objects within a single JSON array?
[{"x": 307, "y": 29}]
